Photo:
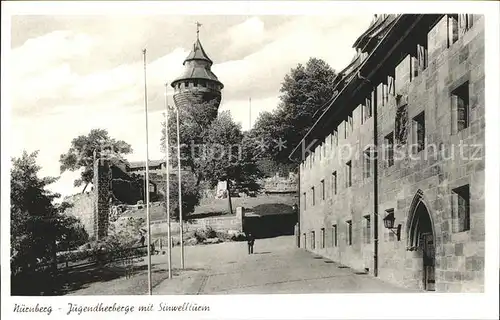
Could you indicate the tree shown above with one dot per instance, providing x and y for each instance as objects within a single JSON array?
[
  {"x": 227, "y": 156},
  {"x": 193, "y": 122},
  {"x": 37, "y": 224},
  {"x": 81, "y": 153},
  {"x": 213, "y": 147},
  {"x": 190, "y": 195},
  {"x": 305, "y": 93}
]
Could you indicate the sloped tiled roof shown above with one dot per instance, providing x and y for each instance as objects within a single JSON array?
[
  {"x": 198, "y": 53},
  {"x": 375, "y": 31},
  {"x": 198, "y": 70}
]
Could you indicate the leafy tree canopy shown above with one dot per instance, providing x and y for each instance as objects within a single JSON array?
[
  {"x": 81, "y": 153},
  {"x": 37, "y": 224},
  {"x": 305, "y": 92}
]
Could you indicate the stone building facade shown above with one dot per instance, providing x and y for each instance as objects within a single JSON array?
[{"x": 403, "y": 144}]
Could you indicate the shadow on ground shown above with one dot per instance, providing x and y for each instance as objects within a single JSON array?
[{"x": 72, "y": 281}]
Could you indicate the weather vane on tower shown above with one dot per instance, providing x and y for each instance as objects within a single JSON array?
[{"x": 198, "y": 25}]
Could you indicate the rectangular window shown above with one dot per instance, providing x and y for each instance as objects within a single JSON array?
[
  {"x": 461, "y": 208},
  {"x": 464, "y": 23},
  {"x": 323, "y": 189},
  {"x": 350, "y": 122},
  {"x": 367, "y": 110},
  {"x": 348, "y": 174},
  {"x": 391, "y": 88},
  {"x": 334, "y": 182},
  {"x": 414, "y": 70},
  {"x": 367, "y": 229},
  {"x": 313, "y": 196},
  {"x": 422, "y": 56},
  {"x": 322, "y": 238},
  {"x": 389, "y": 149},
  {"x": 362, "y": 113},
  {"x": 460, "y": 108},
  {"x": 305, "y": 201},
  {"x": 385, "y": 94},
  {"x": 336, "y": 137},
  {"x": 367, "y": 159},
  {"x": 452, "y": 29},
  {"x": 391, "y": 234},
  {"x": 334, "y": 235},
  {"x": 419, "y": 132},
  {"x": 374, "y": 98},
  {"x": 313, "y": 240},
  {"x": 349, "y": 232}
]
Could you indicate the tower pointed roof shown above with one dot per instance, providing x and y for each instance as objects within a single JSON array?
[
  {"x": 197, "y": 64},
  {"x": 198, "y": 53}
]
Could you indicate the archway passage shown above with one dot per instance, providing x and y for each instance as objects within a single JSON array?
[{"x": 421, "y": 238}]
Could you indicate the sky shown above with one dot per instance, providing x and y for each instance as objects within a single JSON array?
[{"x": 71, "y": 74}]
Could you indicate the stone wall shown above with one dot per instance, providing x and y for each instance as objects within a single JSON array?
[
  {"x": 279, "y": 184},
  {"x": 459, "y": 255},
  {"x": 347, "y": 204},
  {"x": 224, "y": 223},
  {"x": 428, "y": 176},
  {"x": 102, "y": 194},
  {"x": 83, "y": 209}
]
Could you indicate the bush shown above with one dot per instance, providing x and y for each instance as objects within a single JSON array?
[
  {"x": 205, "y": 233},
  {"x": 224, "y": 235},
  {"x": 240, "y": 236}
]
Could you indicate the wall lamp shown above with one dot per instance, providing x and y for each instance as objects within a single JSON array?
[{"x": 389, "y": 224}]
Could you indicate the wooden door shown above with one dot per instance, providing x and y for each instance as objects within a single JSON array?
[{"x": 429, "y": 261}]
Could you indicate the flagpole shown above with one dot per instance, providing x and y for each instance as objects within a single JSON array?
[
  {"x": 181, "y": 226},
  {"x": 147, "y": 177},
  {"x": 250, "y": 113},
  {"x": 167, "y": 178}
]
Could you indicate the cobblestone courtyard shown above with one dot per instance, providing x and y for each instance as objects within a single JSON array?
[{"x": 277, "y": 266}]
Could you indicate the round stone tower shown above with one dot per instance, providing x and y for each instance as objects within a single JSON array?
[{"x": 198, "y": 91}]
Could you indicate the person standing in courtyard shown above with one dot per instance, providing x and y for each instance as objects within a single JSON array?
[{"x": 250, "y": 242}]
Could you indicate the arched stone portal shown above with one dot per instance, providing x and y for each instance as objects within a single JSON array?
[{"x": 420, "y": 237}]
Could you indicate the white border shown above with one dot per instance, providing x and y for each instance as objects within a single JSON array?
[{"x": 317, "y": 306}]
